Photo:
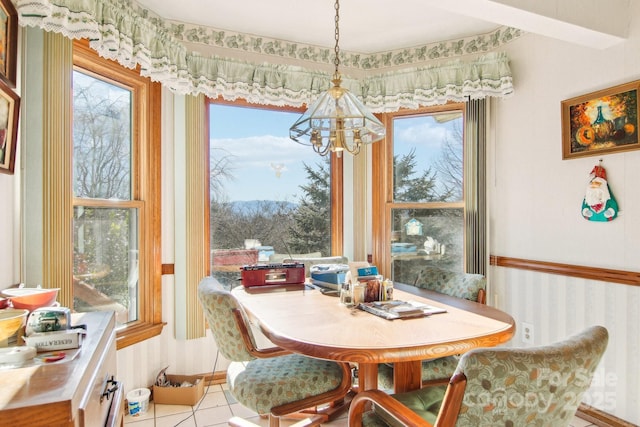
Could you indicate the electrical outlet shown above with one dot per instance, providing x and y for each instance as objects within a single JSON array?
[{"x": 527, "y": 333}]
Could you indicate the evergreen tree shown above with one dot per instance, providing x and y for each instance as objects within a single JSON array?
[
  {"x": 407, "y": 187},
  {"x": 311, "y": 230}
]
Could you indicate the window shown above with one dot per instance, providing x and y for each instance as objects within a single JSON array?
[
  {"x": 270, "y": 197},
  {"x": 420, "y": 192},
  {"x": 115, "y": 181}
]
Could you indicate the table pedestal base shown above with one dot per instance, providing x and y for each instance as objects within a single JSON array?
[{"x": 407, "y": 376}]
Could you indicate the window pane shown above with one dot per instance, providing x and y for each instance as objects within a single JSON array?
[
  {"x": 427, "y": 158},
  {"x": 425, "y": 237},
  {"x": 270, "y": 197},
  {"x": 101, "y": 139},
  {"x": 105, "y": 264}
]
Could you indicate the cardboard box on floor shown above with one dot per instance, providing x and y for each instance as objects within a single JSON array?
[{"x": 180, "y": 395}]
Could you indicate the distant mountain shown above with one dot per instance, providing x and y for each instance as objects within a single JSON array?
[{"x": 247, "y": 206}]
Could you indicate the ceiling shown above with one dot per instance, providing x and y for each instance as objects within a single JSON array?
[
  {"x": 371, "y": 26},
  {"x": 380, "y": 28}
]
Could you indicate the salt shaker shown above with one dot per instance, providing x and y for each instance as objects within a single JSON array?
[{"x": 345, "y": 294}]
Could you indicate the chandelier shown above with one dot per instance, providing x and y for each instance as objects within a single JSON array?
[{"x": 337, "y": 121}]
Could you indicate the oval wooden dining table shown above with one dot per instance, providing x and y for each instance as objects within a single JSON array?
[{"x": 303, "y": 320}]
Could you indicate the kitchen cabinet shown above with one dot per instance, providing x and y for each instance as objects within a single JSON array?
[{"x": 80, "y": 390}]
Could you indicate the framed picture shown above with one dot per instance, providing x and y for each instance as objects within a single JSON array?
[
  {"x": 601, "y": 122},
  {"x": 9, "y": 110},
  {"x": 8, "y": 42}
]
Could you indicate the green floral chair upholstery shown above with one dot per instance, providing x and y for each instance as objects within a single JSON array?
[
  {"x": 453, "y": 283},
  {"x": 272, "y": 380},
  {"x": 539, "y": 386}
]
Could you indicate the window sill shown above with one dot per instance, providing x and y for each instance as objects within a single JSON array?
[{"x": 138, "y": 333}]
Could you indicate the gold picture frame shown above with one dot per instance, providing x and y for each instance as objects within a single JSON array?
[
  {"x": 601, "y": 122},
  {"x": 8, "y": 42},
  {"x": 9, "y": 111}
]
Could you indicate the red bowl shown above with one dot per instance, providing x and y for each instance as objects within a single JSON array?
[
  {"x": 4, "y": 303},
  {"x": 31, "y": 298}
]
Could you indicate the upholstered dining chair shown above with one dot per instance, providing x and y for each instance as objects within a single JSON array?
[
  {"x": 459, "y": 284},
  {"x": 538, "y": 386},
  {"x": 453, "y": 283},
  {"x": 270, "y": 381}
]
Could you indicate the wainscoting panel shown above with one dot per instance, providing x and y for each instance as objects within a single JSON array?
[
  {"x": 558, "y": 306},
  {"x": 139, "y": 364}
]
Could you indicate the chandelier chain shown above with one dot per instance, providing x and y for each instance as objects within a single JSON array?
[
  {"x": 336, "y": 60},
  {"x": 337, "y": 121}
]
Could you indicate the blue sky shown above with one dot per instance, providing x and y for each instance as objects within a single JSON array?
[
  {"x": 421, "y": 133},
  {"x": 259, "y": 147}
]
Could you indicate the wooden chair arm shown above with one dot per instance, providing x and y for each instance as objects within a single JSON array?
[
  {"x": 260, "y": 353},
  {"x": 391, "y": 406},
  {"x": 482, "y": 296},
  {"x": 452, "y": 401}
]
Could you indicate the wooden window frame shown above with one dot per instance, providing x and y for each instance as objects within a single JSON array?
[
  {"x": 382, "y": 184},
  {"x": 146, "y": 189}
]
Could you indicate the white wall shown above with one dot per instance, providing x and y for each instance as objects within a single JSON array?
[
  {"x": 535, "y": 200},
  {"x": 9, "y": 223}
]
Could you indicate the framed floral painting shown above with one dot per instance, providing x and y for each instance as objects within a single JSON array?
[
  {"x": 8, "y": 42},
  {"x": 601, "y": 122},
  {"x": 9, "y": 110}
]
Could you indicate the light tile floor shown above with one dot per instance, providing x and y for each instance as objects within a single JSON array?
[{"x": 215, "y": 409}]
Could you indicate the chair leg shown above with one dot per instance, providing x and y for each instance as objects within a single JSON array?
[{"x": 274, "y": 421}]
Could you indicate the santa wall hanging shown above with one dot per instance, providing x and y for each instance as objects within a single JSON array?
[{"x": 599, "y": 203}]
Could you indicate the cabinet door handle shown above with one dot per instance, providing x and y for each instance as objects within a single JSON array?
[{"x": 110, "y": 388}]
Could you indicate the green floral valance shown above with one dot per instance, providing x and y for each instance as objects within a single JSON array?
[
  {"x": 457, "y": 81},
  {"x": 124, "y": 32}
]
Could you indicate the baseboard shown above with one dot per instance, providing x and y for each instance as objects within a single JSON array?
[
  {"x": 600, "y": 418},
  {"x": 218, "y": 377}
]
